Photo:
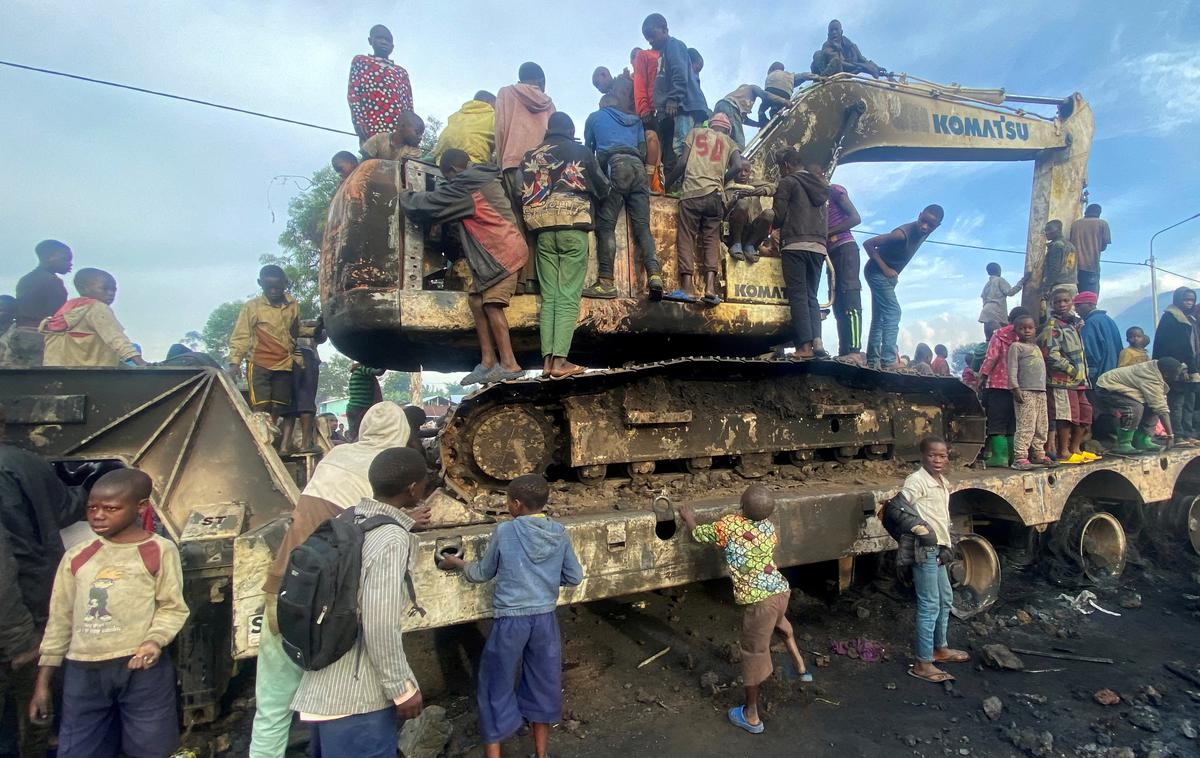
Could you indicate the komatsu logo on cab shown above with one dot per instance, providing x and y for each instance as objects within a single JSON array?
[
  {"x": 759, "y": 291},
  {"x": 1000, "y": 128}
]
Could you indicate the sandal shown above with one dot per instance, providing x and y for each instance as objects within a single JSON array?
[
  {"x": 574, "y": 370},
  {"x": 500, "y": 374},
  {"x": 737, "y": 717},
  {"x": 711, "y": 299},
  {"x": 679, "y": 296},
  {"x": 477, "y": 375},
  {"x": 937, "y": 678}
]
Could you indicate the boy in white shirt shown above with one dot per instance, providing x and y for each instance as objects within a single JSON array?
[{"x": 929, "y": 494}]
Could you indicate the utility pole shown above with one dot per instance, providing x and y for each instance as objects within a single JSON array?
[{"x": 1154, "y": 271}]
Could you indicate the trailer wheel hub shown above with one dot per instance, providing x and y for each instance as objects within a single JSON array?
[{"x": 975, "y": 576}]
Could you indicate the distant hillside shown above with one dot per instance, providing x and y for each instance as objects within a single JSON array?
[{"x": 1134, "y": 310}]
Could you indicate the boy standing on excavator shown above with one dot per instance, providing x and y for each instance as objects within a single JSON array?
[
  {"x": 474, "y": 202},
  {"x": 889, "y": 254},
  {"x": 710, "y": 158}
]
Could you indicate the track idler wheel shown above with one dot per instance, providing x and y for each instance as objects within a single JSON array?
[{"x": 974, "y": 575}]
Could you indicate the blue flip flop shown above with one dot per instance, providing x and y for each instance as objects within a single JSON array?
[
  {"x": 737, "y": 717},
  {"x": 679, "y": 296}
]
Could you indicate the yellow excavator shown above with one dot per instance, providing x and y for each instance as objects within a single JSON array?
[{"x": 684, "y": 384}]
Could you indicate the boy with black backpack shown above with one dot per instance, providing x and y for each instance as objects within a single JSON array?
[{"x": 351, "y": 701}]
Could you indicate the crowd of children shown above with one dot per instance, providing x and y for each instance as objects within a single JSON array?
[
  {"x": 1051, "y": 384},
  {"x": 653, "y": 132}
]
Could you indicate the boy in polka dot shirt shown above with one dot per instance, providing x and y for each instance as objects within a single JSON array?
[{"x": 749, "y": 540}]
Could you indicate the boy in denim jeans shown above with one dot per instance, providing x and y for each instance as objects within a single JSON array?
[
  {"x": 929, "y": 494},
  {"x": 889, "y": 254}
]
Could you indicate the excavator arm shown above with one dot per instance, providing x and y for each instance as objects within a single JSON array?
[{"x": 849, "y": 119}]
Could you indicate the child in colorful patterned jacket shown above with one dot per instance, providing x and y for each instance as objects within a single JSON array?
[{"x": 749, "y": 540}]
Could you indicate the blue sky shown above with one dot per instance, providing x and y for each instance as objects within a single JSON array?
[{"x": 176, "y": 200}]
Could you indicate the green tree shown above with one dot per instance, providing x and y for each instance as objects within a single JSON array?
[
  {"x": 193, "y": 340},
  {"x": 335, "y": 375},
  {"x": 433, "y": 129},
  {"x": 397, "y": 387},
  {"x": 215, "y": 336},
  {"x": 301, "y": 240}
]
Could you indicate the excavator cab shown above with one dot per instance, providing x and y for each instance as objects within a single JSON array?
[{"x": 393, "y": 296}]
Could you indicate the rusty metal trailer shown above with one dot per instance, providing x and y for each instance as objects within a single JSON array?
[{"x": 224, "y": 496}]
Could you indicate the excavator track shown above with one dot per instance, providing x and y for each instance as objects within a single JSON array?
[{"x": 692, "y": 411}]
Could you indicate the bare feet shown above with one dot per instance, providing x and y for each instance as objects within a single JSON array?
[
  {"x": 950, "y": 655},
  {"x": 563, "y": 368}
]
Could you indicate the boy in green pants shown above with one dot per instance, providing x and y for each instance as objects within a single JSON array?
[{"x": 560, "y": 179}]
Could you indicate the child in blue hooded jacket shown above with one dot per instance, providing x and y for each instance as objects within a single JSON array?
[{"x": 530, "y": 557}]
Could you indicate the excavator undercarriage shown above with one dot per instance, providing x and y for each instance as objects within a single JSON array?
[{"x": 691, "y": 411}]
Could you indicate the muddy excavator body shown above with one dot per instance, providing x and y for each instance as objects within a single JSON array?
[{"x": 394, "y": 297}]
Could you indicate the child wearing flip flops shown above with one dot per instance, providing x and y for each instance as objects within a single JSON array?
[
  {"x": 749, "y": 540},
  {"x": 929, "y": 494}
]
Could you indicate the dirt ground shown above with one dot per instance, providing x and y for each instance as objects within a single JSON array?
[{"x": 677, "y": 704}]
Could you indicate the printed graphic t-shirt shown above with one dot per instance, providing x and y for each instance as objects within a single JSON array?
[
  {"x": 708, "y": 160},
  {"x": 109, "y": 598}
]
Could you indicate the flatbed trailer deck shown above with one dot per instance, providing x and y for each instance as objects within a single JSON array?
[{"x": 634, "y": 550}]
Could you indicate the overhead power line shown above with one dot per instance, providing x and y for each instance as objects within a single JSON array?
[
  {"x": 1021, "y": 253},
  {"x": 197, "y": 101},
  {"x": 245, "y": 111}
]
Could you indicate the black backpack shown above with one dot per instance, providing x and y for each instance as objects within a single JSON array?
[{"x": 318, "y": 599}]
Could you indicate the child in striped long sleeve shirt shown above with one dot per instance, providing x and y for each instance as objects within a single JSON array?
[{"x": 351, "y": 705}]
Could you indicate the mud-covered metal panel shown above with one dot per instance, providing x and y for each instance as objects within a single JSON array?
[
  {"x": 47, "y": 409},
  {"x": 188, "y": 428},
  {"x": 253, "y": 554}
]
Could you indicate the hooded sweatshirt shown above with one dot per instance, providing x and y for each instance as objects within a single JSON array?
[
  {"x": 530, "y": 558},
  {"x": 476, "y": 207},
  {"x": 995, "y": 360},
  {"x": 800, "y": 212},
  {"x": 1142, "y": 382},
  {"x": 1101, "y": 344},
  {"x": 677, "y": 83},
  {"x": 610, "y": 131},
  {"x": 84, "y": 332},
  {"x": 522, "y": 112},
  {"x": 340, "y": 480},
  {"x": 472, "y": 129},
  {"x": 1172, "y": 339}
]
